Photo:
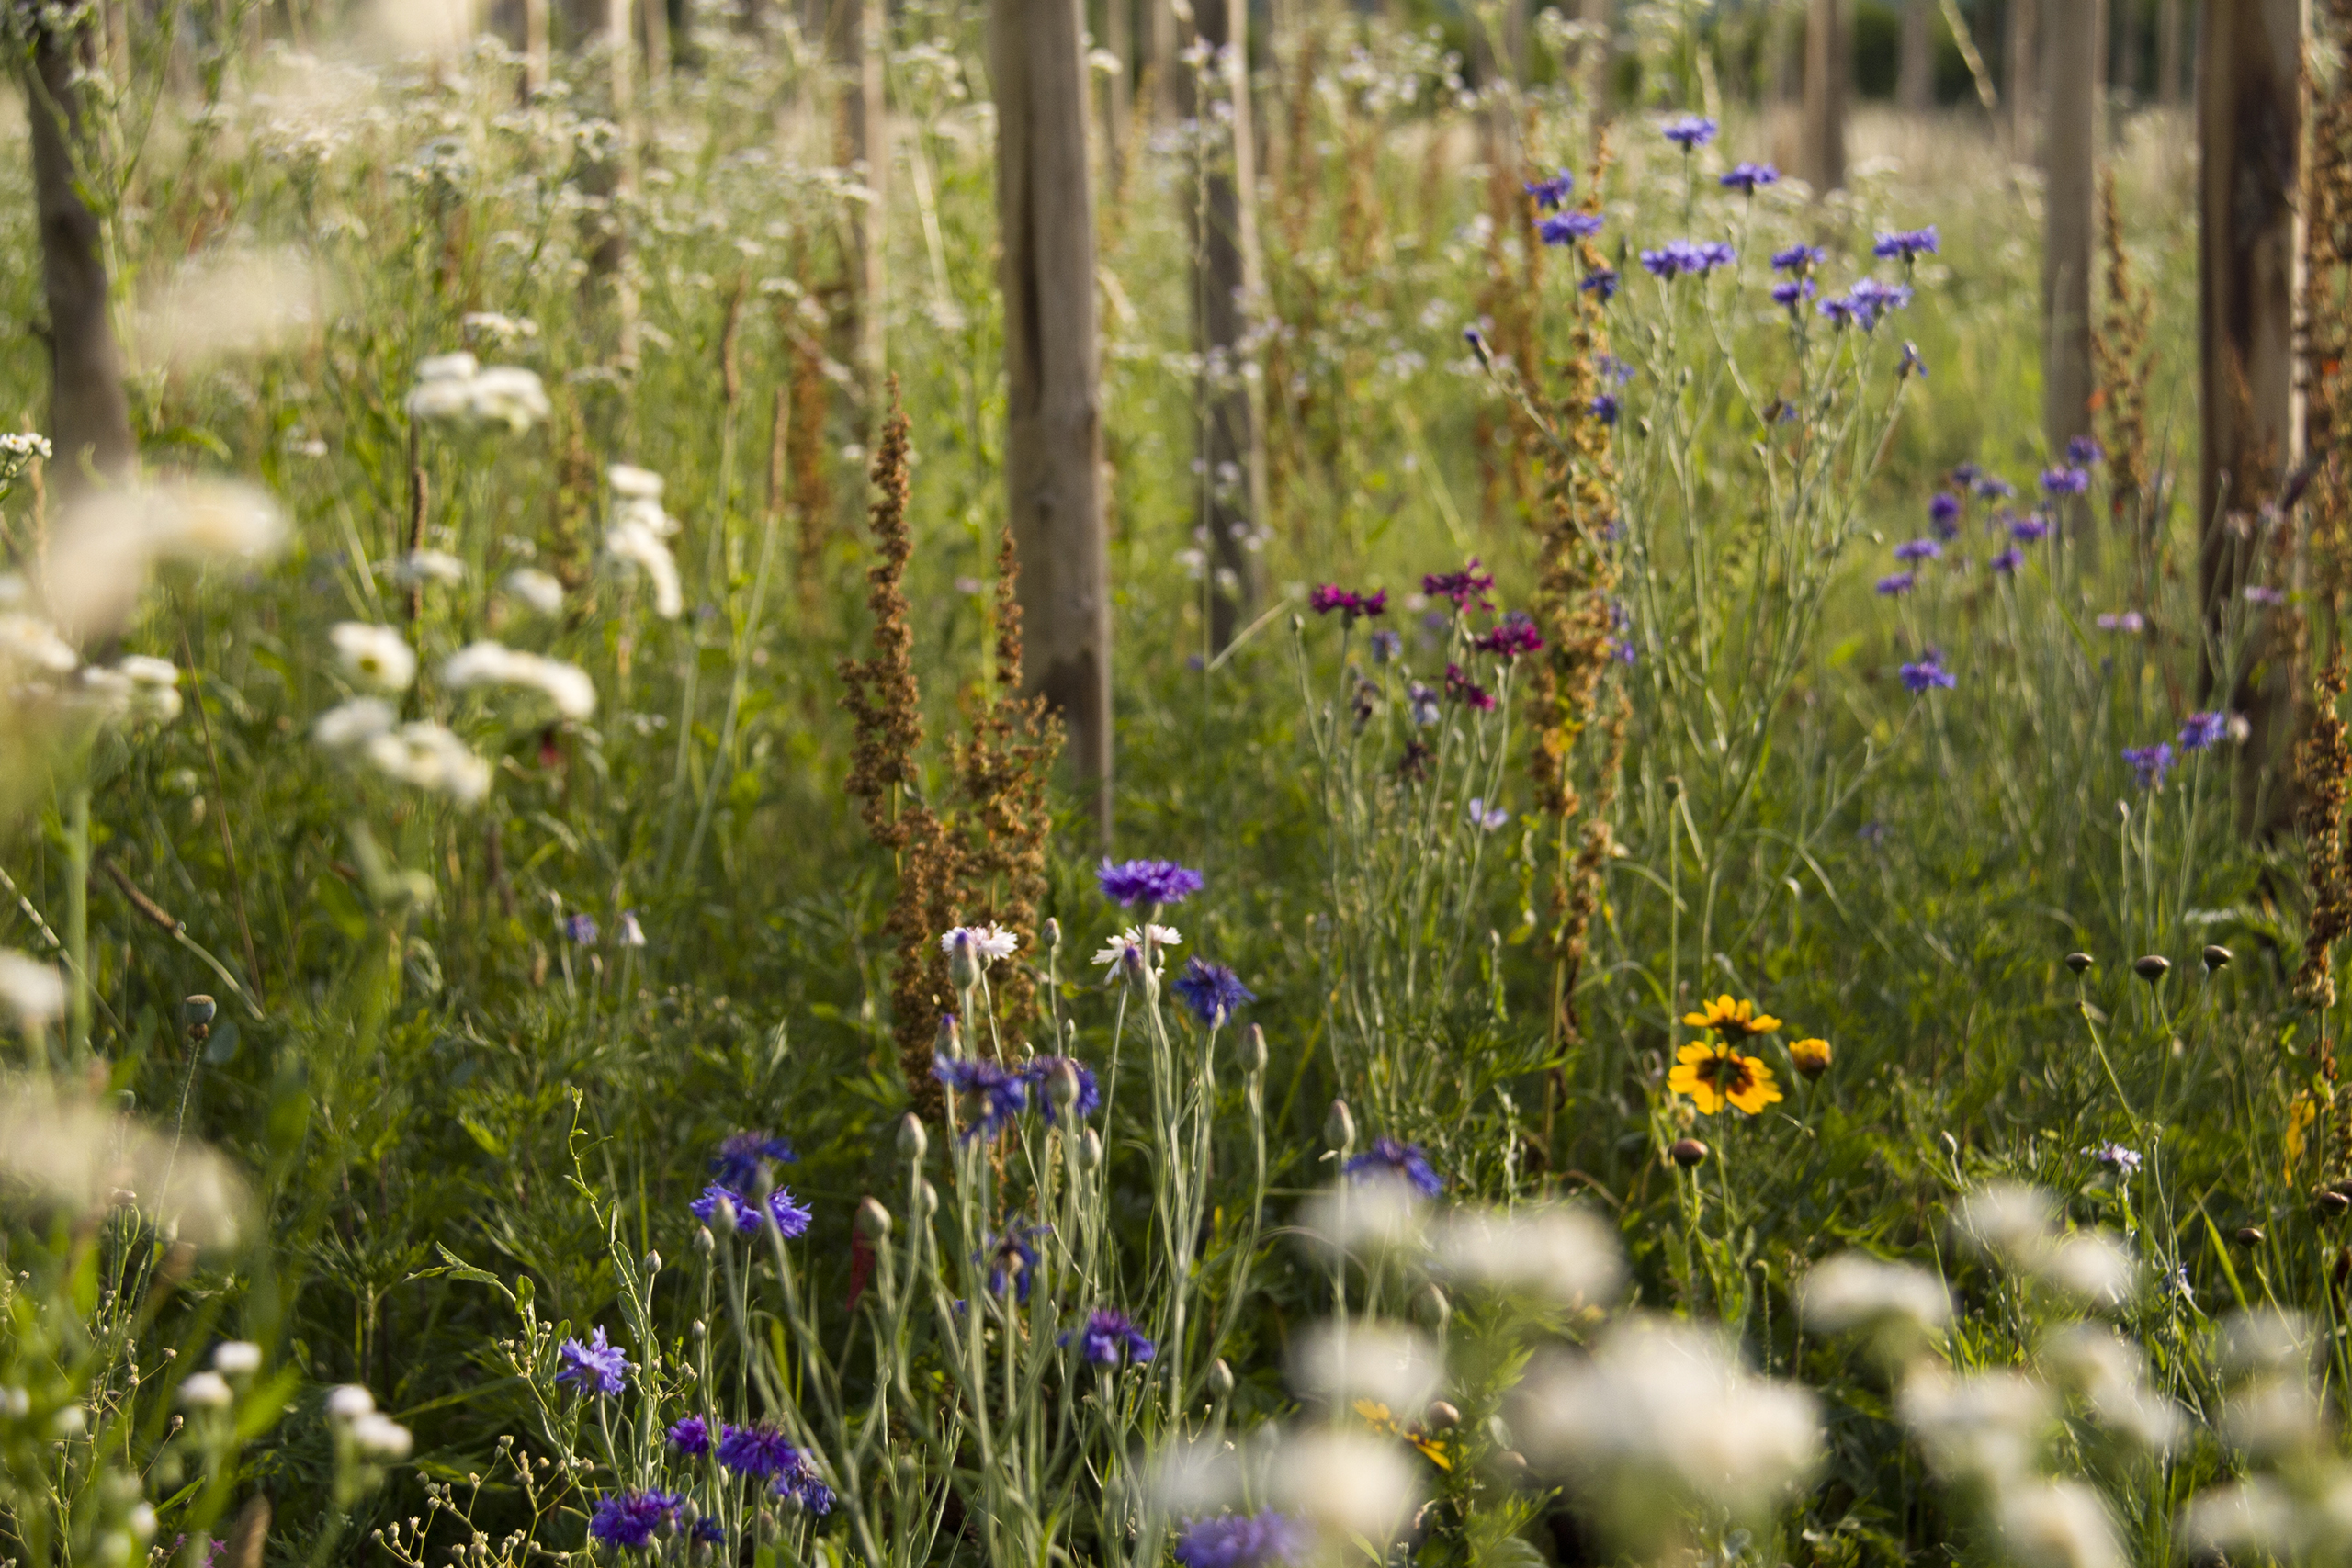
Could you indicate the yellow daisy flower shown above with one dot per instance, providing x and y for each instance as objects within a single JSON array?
[
  {"x": 1713, "y": 1076},
  {"x": 1733, "y": 1020},
  {"x": 1810, "y": 1057},
  {"x": 2302, "y": 1111}
]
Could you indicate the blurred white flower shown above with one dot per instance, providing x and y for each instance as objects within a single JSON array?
[
  {"x": 429, "y": 757},
  {"x": 1901, "y": 1303},
  {"x": 1358, "y": 1217},
  {"x": 2265, "y": 1342},
  {"x": 33, "y": 991},
  {"x": 377, "y": 656},
  {"x": 1987, "y": 1428},
  {"x": 2272, "y": 1417},
  {"x": 232, "y": 302},
  {"x": 352, "y": 724},
  {"x": 2091, "y": 1266},
  {"x": 105, "y": 546},
  {"x": 1342, "y": 1361},
  {"x": 1193, "y": 1475},
  {"x": 60, "y": 1149},
  {"x": 536, "y": 589},
  {"x": 2244, "y": 1520},
  {"x": 641, "y": 547},
  {"x": 1347, "y": 1484},
  {"x": 349, "y": 1402},
  {"x": 488, "y": 663},
  {"x": 420, "y": 567},
  {"x": 1564, "y": 1255},
  {"x": 2010, "y": 1221},
  {"x": 2057, "y": 1524},
  {"x": 30, "y": 644},
  {"x": 453, "y": 388},
  {"x": 207, "y": 1391},
  {"x": 380, "y": 1438},
  {"x": 633, "y": 482},
  {"x": 236, "y": 1358},
  {"x": 2108, "y": 1373}
]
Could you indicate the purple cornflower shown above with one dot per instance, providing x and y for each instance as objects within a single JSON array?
[
  {"x": 1550, "y": 194},
  {"x": 628, "y": 1519},
  {"x": 2083, "y": 452},
  {"x": 1943, "y": 513},
  {"x": 1678, "y": 258},
  {"x": 2203, "y": 730},
  {"x": 2123, "y": 621},
  {"x": 806, "y": 1489},
  {"x": 791, "y": 1218},
  {"x": 1799, "y": 258},
  {"x": 1243, "y": 1540},
  {"x": 691, "y": 1436},
  {"x": 1212, "y": 991},
  {"x": 1838, "y": 309},
  {"x": 1612, "y": 369},
  {"x": 1040, "y": 1073},
  {"x": 596, "y": 1367},
  {"x": 1110, "y": 1340},
  {"x": 1869, "y": 299},
  {"x": 1927, "y": 673},
  {"x": 1568, "y": 227},
  {"x": 2064, "y": 481},
  {"x": 1906, "y": 244},
  {"x": 1463, "y": 689},
  {"x": 580, "y": 929},
  {"x": 1385, "y": 646},
  {"x": 1896, "y": 584},
  {"x": 1513, "y": 635},
  {"x": 2007, "y": 561},
  {"x": 2266, "y": 596},
  {"x": 1911, "y": 364},
  {"x": 2032, "y": 528},
  {"x": 1010, "y": 1259},
  {"x": 1137, "y": 881},
  {"x": 1461, "y": 586},
  {"x": 1388, "y": 1160},
  {"x": 1485, "y": 818},
  {"x": 741, "y": 1156},
  {"x": 1964, "y": 475},
  {"x": 1004, "y": 1093},
  {"x": 1792, "y": 293},
  {"x": 2117, "y": 1158},
  {"x": 1745, "y": 177},
  {"x": 1329, "y": 596},
  {"x": 2150, "y": 764},
  {"x": 760, "y": 1451},
  {"x": 1992, "y": 486},
  {"x": 1919, "y": 549},
  {"x": 1601, "y": 280},
  {"x": 1690, "y": 131},
  {"x": 1422, "y": 701}
]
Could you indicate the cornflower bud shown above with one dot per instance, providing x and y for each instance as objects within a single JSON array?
[
  {"x": 1061, "y": 1086},
  {"x": 1340, "y": 1128},
  {"x": 1220, "y": 1380},
  {"x": 1432, "y": 1307},
  {"x": 950, "y": 1043},
  {"x": 703, "y": 1241},
  {"x": 873, "y": 1220},
  {"x": 962, "y": 961},
  {"x": 912, "y": 1140},
  {"x": 1090, "y": 1150},
  {"x": 652, "y": 1264},
  {"x": 927, "y": 1196},
  {"x": 1253, "y": 1050},
  {"x": 1053, "y": 934}
]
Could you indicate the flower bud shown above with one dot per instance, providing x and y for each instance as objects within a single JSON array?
[
  {"x": 1688, "y": 1152},
  {"x": 2250, "y": 1236},
  {"x": 1090, "y": 1150},
  {"x": 2331, "y": 1203},
  {"x": 1431, "y": 1308},
  {"x": 927, "y": 1196},
  {"x": 704, "y": 1243},
  {"x": 950, "y": 1043},
  {"x": 912, "y": 1140},
  {"x": 1053, "y": 934},
  {"x": 1442, "y": 1417},
  {"x": 652, "y": 1263},
  {"x": 962, "y": 960},
  {"x": 2217, "y": 957},
  {"x": 722, "y": 1214},
  {"x": 1340, "y": 1128},
  {"x": 1061, "y": 1086},
  {"x": 2079, "y": 961},
  {"x": 1220, "y": 1380},
  {"x": 873, "y": 1220},
  {"x": 1810, "y": 1057},
  {"x": 350, "y": 1403},
  {"x": 1253, "y": 1050}
]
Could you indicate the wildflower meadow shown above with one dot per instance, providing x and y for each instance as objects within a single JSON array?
[{"x": 825, "y": 783}]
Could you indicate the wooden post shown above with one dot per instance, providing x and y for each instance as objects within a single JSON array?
[
  {"x": 1226, "y": 288},
  {"x": 2168, "y": 52},
  {"x": 1828, "y": 62},
  {"x": 2022, "y": 27},
  {"x": 1053, "y": 450},
  {"x": 89, "y": 415},
  {"x": 2250, "y": 245},
  {"x": 1119, "y": 39},
  {"x": 1915, "y": 89},
  {"x": 2072, "y": 88}
]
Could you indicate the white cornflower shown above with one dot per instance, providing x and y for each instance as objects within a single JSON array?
[
  {"x": 989, "y": 943},
  {"x": 32, "y": 990},
  {"x": 374, "y": 656},
  {"x": 236, "y": 1358},
  {"x": 1854, "y": 1289},
  {"x": 1116, "y": 948},
  {"x": 429, "y": 757},
  {"x": 641, "y": 547},
  {"x": 1987, "y": 1427},
  {"x": 420, "y": 567},
  {"x": 1341, "y": 1362},
  {"x": 2057, "y": 1524},
  {"x": 353, "y": 724},
  {"x": 207, "y": 1391},
  {"x": 33, "y": 644},
  {"x": 1566, "y": 1256},
  {"x": 488, "y": 663},
  {"x": 536, "y": 589}
]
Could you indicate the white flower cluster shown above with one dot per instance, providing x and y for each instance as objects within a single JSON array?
[
  {"x": 486, "y": 664},
  {"x": 457, "y": 390},
  {"x": 636, "y": 535}
]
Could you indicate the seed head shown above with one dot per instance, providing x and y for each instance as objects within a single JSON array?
[
  {"x": 1441, "y": 1416},
  {"x": 2251, "y": 1236},
  {"x": 2152, "y": 968},
  {"x": 2216, "y": 957},
  {"x": 2079, "y": 961},
  {"x": 2331, "y": 1204},
  {"x": 1688, "y": 1152},
  {"x": 1253, "y": 1050},
  {"x": 198, "y": 1011}
]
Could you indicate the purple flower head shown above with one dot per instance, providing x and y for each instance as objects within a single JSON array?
[
  {"x": 1604, "y": 407},
  {"x": 1799, "y": 258},
  {"x": 1601, "y": 280},
  {"x": 1792, "y": 293},
  {"x": 1385, "y": 646},
  {"x": 2118, "y": 1158},
  {"x": 1422, "y": 701},
  {"x": 1514, "y": 635},
  {"x": 1919, "y": 549},
  {"x": 1745, "y": 177},
  {"x": 1943, "y": 513},
  {"x": 2064, "y": 481},
  {"x": 1329, "y": 596},
  {"x": 2130, "y": 621},
  {"x": 580, "y": 929},
  {"x": 804, "y": 1488},
  {"x": 1927, "y": 673},
  {"x": 1388, "y": 1160},
  {"x": 1869, "y": 299},
  {"x": 1244, "y": 1540},
  {"x": 1040, "y": 1071},
  {"x": 1550, "y": 194},
  {"x": 1011, "y": 1260},
  {"x": 1137, "y": 881},
  {"x": 1964, "y": 475},
  {"x": 630, "y": 1519},
  {"x": 709, "y": 1531},
  {"x": 691, "y": 1436},
  {"x": 1463, "y": 689},
  {"x": 1911, "y": 365},
  {"x": 1838, "y": 309},
  {"x": 1896, "y": 584},
  {"x": 2267, "y": 597},
  {"x": 2032, "y": 528},
  {"x": 2085, "y": 452},
  {"x": 1690, "y": 131},
  {"x": 791, "y": 1219},
  {"x": 761, "y": 1451},
  {"x": 2009, "y": 560},
  {"x": 1461, "y": 587},
  {"x": 1212, "y": 991},
  {"x": 2150, "y": 764},
  {"x": 2203, "y": 730},
  {"x": 595, "y": 1367},
  {"x": 1110, "y": 1340},
  {"x": 742, "y": 1154},
  {"x": 1568, "y": 227},
  {"x": 1004, "y": 1093},
  {"x": 1906, "y": 244},
  {"x": 1608, "y": 368},
  {"x": 1678, "y": 258}
]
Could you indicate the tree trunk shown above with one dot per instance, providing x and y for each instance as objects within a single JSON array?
[
  {"x": 1828, "y": 62},
  {"x": 1915, "y": 89},
  {"x": 1166, "y": 71},
  {"x": 89, "y": 417},
  {"x": 2168, "y": 51},
  {"x": 1119, "y": 39},
  {"x": 2250, "y": 247},
  {"x": 2123, "y": 71},
  {"x": 2022, "y": 27},
  {"x": 1226, "y": 288},
  {"x": 2071, "y": 56},
  {"x": 1053, "y": 455}
]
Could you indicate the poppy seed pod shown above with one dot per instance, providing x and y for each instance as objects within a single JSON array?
[
  {"x": 1443, "y": 1416},
  {"x": 2152, "y": 968},
  {"x": 2251, "y": 1236},
  {"x": 2332, "y": 1204},
  {"x": 1340, "y": 1127},
  {"x": 199, "y": 1011},
  {"x": 2217, "y": 957},
  {"x": 1688, "y": 1152},
  {"x": 2079, "y": 961},
  {"x": 912, "y": 1140},
  {"x": 873, "y": 1220}
]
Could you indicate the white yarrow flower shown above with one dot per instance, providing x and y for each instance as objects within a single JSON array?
[
  {"x": 488, "y": 663},
  {"x": 633, "y": 482},
  {"x": 376, "y": 656},
  {"x": 348, "y": 1403},
  {"x": 1341, "y": 1362},
  {"x": 535, "y": 589},
  {"x": 1988, "y": 1427},
  {"x": 207, "y": 1391},
  {"x": 455, "y": 388},
  {"x": 420, "y": 567},
  {"x": 236, "y": 1358},
  {"x": 353, "y": 723},
  {"x": 640, "y": 546},
  {"x": 1854, "y": 1289},
  {"x": 1566, "y": 1256},
  {"x": 32, "y": 644},
  {"x": 2057, "y": 1524},
  {"x": 1350, "y": 1485},
  {"x": 431, "y": 758},
  {"x": 32, "y": 990}
]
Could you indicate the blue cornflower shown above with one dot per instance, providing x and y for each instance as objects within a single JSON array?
[
  {"x": 2083, "y": 452},
  {"x": 2032, "y": 528},
  {"x": 760, "y": 1451},
  {"x": 1109, "y": 1340},
  {"x": 2204, "y": 729},
  {"x": 580, "y": 929},
  {"x": 1388, "y": 1160},
  {"x": 1746, "y": 177},
  {"x": 1963, "y": 475},
  {"x": 1992, "y": 486},
  {"x": 1011, "y": 1259},
  {"x": 1485, "y": 818},
  {"x": 1212, "y": 991},
  {"x": 1690, "y": 131},
  {"x": 1568, "y": 227},
  {"x": 596, "y": 1367},
  {"x": 2117, "y": 1158},
  {"x": 1695, "y": 258},
  {"x": 802, "y": 1487},
  {"x": 1146, "y": 882},
  {"x": 1549, "y": 194},
  {"x": 1943, "y": 513},
  {"x": 1927, "y": 673},
  {"x": 1385, "y": 646},
  {"x": 691, "y": 1436},
  {"x": 1601, "y": 280},
  {"x": 1896, "y": 584},
  {"x": 1040, "y": 1071},
  {"x": 1612, "y": 369},
  {"x": 1799, "y": 258},
  {"x": 1792, "y": 293},
  {"x": 791, "y": 1218},
  {"x": 628, "y": 1519},
  {"x": 2150, "y": 764},
  {"x": 709, "y": 1531},
  {"x": 1603, "y": 407},
  {"x": 1906, "y": 244},
  {"x": 1004, "y": 1093},
  {"x": 1838, "y": 310},
  {"x": 1243, "y": 1540},
  {"x": 1911, "y": 365},
  {"x": 1422, "y": 701},
  {"x": 1919, "y": 549},
  {"x": 2007, "y": 561},
  {"x": 741, "y": 1156},
  {"x": 1869, "y": 299},
  {"x": 2065, "y": 480}
]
